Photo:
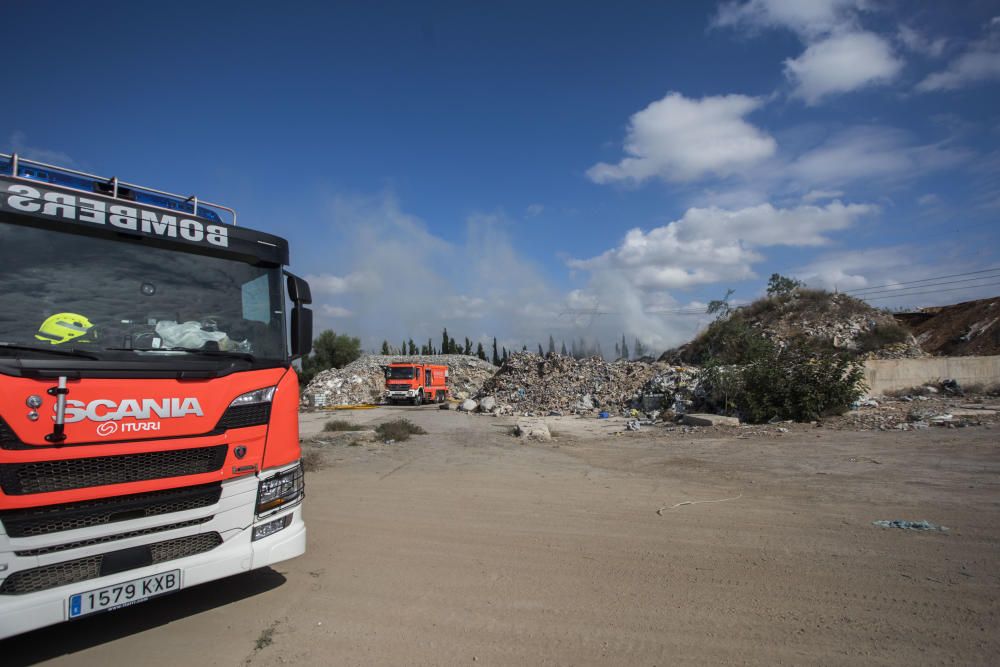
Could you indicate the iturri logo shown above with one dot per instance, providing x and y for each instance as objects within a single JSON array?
[{"x": 107, "y": 428}]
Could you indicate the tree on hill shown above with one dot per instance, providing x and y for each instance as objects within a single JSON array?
[
  {"x": 552, "y": 345},
  {"x": 330, "y": 350},
  {"x": 480, "y": 352},
  {"x": 385, "y": 348},
  {"x": 496, "y": 356},
  {"x": 779, "y": 285},
  {"x": 563, "y": 351}
]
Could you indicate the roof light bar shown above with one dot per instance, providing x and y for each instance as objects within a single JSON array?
[{"x": 32, "y": 170}]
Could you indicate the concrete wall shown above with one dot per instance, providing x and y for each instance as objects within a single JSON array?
[{"x": 884, "y": 375}]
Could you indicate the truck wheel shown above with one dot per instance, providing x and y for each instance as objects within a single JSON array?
[{"x": 439, "y": 397}]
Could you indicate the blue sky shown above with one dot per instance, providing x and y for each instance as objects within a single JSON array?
[{"x": 500, "y": 168}]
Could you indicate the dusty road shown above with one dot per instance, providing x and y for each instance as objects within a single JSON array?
[{"x": 464, "y": 546}]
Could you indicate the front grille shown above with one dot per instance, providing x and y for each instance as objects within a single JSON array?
[
  {"x": 91, "y": 567},
  {"x": 240, "y": 416},
  {"x": 8, "y": 439},
  {"x": 70, "y": 516},
  {"x": 41, "y": 551},
  {"x": 45, "y": 476}
]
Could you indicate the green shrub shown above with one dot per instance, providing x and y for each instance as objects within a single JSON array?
[
  {"x": 882, "y": 335},
  {"x": 398, "y": 430},
  {"x": 795, "y": 382}
]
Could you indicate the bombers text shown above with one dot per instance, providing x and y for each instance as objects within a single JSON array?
[{"x": 65, "y": 206}]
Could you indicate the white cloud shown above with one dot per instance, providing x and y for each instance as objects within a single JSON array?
[
  {"x": 917, "y": 42},
  {"x": 334, "y": 311},
  {"x": 329, "y": 284},
  {"x": 821, "y": 195},
  {"x": 805, "y": 17},
  {"x": 856, "y": 269},
  {"x": 533, "y": 210},
  {"x": 682, "y": 139},
  {"x": 868, "y": 153},
  {"x": 709, "y": 245},
  {"x": 19, "y": 144},
  {"x": 979, "y": 64},
  {"x": 842, "y": 63}
]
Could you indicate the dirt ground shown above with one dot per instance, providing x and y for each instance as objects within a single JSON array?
[{"x": 467, "y": 545}]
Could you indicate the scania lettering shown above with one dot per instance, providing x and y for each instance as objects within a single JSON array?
[
  {"x": 103, "y": 410},
  {"x": 148, "y": 403}
]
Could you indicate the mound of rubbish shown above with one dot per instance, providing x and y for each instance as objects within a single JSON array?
[
  {"x": 673, "y": 388},
  {"x": 971, "y": 328},
  {"x": 529, "y": 383},
  {"x": 363, "y": 380},
  {"x": 828, "y": 321}
]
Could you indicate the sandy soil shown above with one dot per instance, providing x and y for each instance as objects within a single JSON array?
[{"x": 467, "y": 546}]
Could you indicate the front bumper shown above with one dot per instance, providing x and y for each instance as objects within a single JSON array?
[{"x": 233, "y": 518}]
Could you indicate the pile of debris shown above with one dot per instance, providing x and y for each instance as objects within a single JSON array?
[
  {"x": 531, "y": 384},
  {"x": 971, "y": 328},
  {"x": 363, "y": 380},
  {"x": 674, "y": 388}
]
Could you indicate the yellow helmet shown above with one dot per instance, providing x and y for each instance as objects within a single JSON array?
[{"x": 63, "y": 327}]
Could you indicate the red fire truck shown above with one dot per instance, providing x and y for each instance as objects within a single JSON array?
[
  {"x": 416, "y": 383},
  {"x": 148, "y": 405}
]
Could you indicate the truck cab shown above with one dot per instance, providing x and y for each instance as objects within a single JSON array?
[
  {"x": 416, "y": 383},
  {"x": 148, "y": 403}
]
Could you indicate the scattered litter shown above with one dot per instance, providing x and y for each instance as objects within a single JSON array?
[
  {"x": 696, "y": 502},
  {"x": 603, "y": 414},
  {"x": 632, "y": 425},
  {"x": 905, "y": 524}
]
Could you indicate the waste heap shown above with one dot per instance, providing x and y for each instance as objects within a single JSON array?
[
  {"x": 675, "y": 388},
  {"x": 363, "y": 380},
  {"x": 529, "y": 383}
]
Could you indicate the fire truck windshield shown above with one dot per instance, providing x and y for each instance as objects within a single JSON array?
[
  {"x": 66, "y": 291},
  {"x": 400, "y": 373}
]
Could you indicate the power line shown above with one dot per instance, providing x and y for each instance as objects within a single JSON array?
[
  {"x": 924, "y": 280},
  {"x": 951, "y": 289},
  {"x": 937, "y": 284}
]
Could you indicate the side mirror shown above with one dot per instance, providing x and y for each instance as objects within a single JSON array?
[
  {"x": 298, "y": 290},
  {"x": 302, "y": 318},
  {"x": 302, "y": 330}
]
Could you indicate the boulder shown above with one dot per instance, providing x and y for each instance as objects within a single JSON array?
[
  {"x": 533, "y": 429},
  {"x": 487, "y": 404},
  {"x": 468, "y": 405},
  {"x": 704, "y": 419}
]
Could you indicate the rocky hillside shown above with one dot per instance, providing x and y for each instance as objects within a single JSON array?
[
  {"x": 971, "y": 328},
  {"x": 825, "y": 320}
]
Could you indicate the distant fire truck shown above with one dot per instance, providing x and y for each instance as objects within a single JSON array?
[{"x": 416, "y": 383}]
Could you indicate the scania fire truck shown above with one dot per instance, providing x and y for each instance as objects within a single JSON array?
[{"x": 148, "y": 406}]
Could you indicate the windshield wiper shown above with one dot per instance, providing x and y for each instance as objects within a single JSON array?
[
  {"x": 62, "y": 352},
  {"x": 192, "y": 350}
]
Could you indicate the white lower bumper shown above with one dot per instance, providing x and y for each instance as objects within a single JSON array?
[{"x": 236, "y": 554}]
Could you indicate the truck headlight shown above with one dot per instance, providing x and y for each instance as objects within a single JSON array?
[
  {"x": 265, "y": 395},
  {"x": 281, "y": 490}
]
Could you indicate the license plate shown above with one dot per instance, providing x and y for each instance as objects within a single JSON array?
[{"x": 124, "y": 594}]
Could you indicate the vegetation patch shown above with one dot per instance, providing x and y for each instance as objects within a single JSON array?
[
  {"x": 791, "y": 382},
  {"x": 312, "y": 460},
  {"x": 398, "y": 430},
  {"x": 882, "y": 335},
  {"x": 336, "y": 425}
]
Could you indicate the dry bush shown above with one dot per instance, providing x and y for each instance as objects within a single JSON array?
[
  {"x": 340, "y": 425},
  {"x": 398, "y": 430}
]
